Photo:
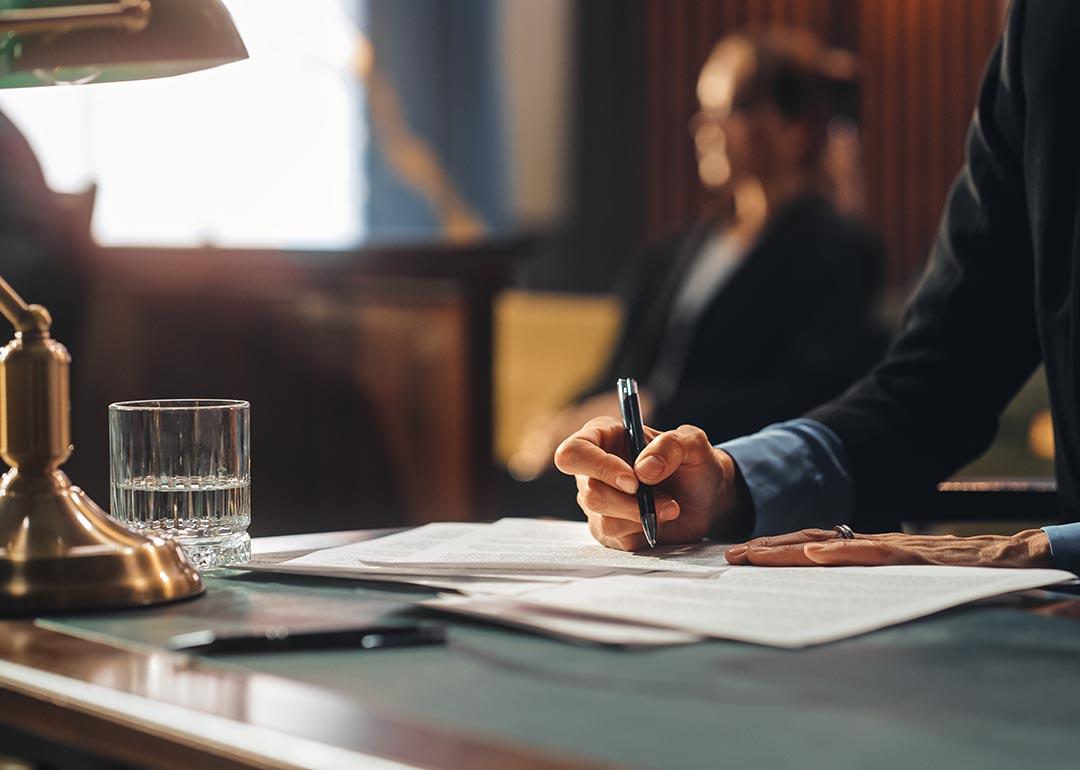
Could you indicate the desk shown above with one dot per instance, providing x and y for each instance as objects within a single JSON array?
[{"x": 987, "y": 687}]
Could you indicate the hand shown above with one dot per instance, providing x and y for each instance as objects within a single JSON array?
[
  {"x": 695, "y": 483},
  {"x": 822, "y": 548}
]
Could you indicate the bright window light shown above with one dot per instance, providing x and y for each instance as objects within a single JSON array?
[{"x": 265, "y": 152}]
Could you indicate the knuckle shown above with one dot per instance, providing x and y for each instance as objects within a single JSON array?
[
  {"x": 693, "y": 433},
  {"x": 603, "y": 421},
  {"x": 665, "y": 443}
]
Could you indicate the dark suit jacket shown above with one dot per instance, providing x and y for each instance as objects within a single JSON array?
[
  {"x": 999, "y": 294},
  {"x": 794, "y": 325}
]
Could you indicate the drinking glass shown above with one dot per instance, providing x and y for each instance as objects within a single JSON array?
[{"x": 182, "y": 469}]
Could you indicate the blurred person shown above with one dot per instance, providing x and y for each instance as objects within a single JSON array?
[
  {"x": 771, "y": 257},
  {"x": 1000, "y": 295}
]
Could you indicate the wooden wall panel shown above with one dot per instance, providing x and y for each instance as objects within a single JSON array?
[{"x": 922, "y": 60}]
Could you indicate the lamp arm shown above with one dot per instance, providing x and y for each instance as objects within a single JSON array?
[
  {"x": 131, "y": 14},
  {"x": 25, "y": 318}
]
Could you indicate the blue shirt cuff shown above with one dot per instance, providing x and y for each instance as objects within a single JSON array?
[
  {"x": 797, "y": 476},
  {"x": 1064, "y": 545}
]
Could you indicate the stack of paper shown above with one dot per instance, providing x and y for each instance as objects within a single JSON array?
[
  {"x": 528, "y": 545},
  {"x": 552, "y": 577},
  {"x": 788, "y": 607},
  {"x": 494, "y": 557}
]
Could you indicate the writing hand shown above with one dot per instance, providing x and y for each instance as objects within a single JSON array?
[{"x": 695, "y": 483}]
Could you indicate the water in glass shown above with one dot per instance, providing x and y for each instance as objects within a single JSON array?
[{"x": 181, "y": 469}]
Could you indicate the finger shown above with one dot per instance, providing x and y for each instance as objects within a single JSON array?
[
  {"x": 858, "y": 552},
  {"x": 617, "y": 534},
  {"x": 607, "y": 528},
  {"x": 684, "y": 446},
  {"x": 778, "y": 556},
  {"x": 583, "y": 454},
  {"x": 802, "y": 536},
  {"x": 595, "y": 496}
]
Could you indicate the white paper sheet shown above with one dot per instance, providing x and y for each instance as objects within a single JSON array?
[
  {"x": 789, "y": 607},
  {"x": 561, "y": 625},
  {"x": 438, "y": 578},
  {"x": 531, "y": 544},
  {"x": 404, "y": 554},
  {"x": 391, "y": 547}
]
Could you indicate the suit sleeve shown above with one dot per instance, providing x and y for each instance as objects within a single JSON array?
[{"x": 969, "y": 340}]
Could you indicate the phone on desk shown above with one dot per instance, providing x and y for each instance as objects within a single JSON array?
[{"x": 283, "y": 638}]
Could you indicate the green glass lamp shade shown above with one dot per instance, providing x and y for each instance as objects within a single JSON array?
[{"x": 53, "y": 42}]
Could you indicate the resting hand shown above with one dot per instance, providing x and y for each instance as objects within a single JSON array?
[
  {"x": 695, "y": 483},
  {"x": 822, "y": 548}
]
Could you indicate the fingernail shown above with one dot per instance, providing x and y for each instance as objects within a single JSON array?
[
  {"x": 627, "y": 484},
  {"x": 651, "y": 467},
  {"x": 668, "y": 510},
  {"x": 815, "y": 547},
  {"x": 736, "y": 550}
]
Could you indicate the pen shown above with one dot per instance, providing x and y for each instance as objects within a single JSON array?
[
  {"x": 284, "y": 639},
  {"x": 630, "y": 408}
]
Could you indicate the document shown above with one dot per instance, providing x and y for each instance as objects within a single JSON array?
[
  {"x": 507, "y": 582},
  {"x": 394, "y": 559},
  {"x": 788, "y": 607},
  {"x": 484, "y": 586},
  {"x": 559, "y": 624},
  {"x": 530, "y": 544},
  {"x": 391, "y": 547}
]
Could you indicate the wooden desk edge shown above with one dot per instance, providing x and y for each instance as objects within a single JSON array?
[{"x": 51, "y": 686}]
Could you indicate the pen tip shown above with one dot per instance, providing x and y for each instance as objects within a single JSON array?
[{"x": 649, "y": 527}]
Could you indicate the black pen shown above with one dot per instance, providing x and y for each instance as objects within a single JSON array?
[
  {"x": 635, "y": 442},
  {"x": 285, "y": 639}
]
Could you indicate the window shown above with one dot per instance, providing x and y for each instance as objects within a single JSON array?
[{"x": 266, "y": 152}]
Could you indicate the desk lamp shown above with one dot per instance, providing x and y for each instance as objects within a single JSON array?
[{"x": 58, "y": 550}]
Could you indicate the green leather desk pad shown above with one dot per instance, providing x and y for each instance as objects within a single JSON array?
[{"x": 985, "y": 687}]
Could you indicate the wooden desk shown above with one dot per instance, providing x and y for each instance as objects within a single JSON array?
[{"x": 988, "y": 687}]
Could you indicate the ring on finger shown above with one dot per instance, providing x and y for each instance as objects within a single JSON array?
[{"x": 843, "y": 532}]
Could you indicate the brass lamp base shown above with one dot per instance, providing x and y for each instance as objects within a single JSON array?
[{"x": 64, "y": 553}]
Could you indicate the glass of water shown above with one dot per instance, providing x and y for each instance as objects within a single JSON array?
[{"x": 182, "y": 469}]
